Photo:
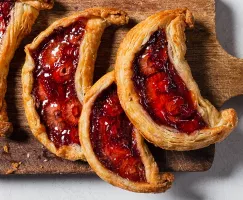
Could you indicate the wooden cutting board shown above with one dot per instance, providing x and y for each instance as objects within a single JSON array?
[{"x": 217, "y": 73}]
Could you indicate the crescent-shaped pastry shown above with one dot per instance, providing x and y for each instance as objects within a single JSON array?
[
  {"x": 113, "y": 147},
  {"x": 157, "y": 90},
  {"x": 16, "y": 20},
  {"x": 57, "y": 73}
]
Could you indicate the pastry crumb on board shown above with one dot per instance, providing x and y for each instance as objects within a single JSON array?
[
  {"x": 6, "y": 148},
  {"x": 14, "y": 167}
]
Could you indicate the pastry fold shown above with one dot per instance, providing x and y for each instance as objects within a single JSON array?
[
  {"x": 22, "y": 16},
  {"x": 219, "y": 124},
  {"x": 110, "y": 166},
  {"x": 96, "y": 19}
]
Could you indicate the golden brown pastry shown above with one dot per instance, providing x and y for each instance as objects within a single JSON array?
[
  {"x": 113, "y": 147},
  {"x": 16, "y": 20},
  {"x": 57, "y": 73},
  {"x": 157, "y": 90}
]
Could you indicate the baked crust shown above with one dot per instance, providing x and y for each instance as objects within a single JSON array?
[
  {"x": 156, "y": 182},
  {"x": 23, "y": 16},
  {"x": 39, "y": 4},
  {"x": 97, "y": 20},
  {"x": 220, "y": 124}
]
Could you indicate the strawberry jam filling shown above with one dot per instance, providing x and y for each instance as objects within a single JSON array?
[
  {"x": 5, "y": 8},
  {"x": 162, "y": 92},
  {"x": 113, "y": 139},
  {"x": 54, "y": 91}
]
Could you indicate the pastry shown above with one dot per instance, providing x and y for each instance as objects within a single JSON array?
[
  {"x": 16, "y": 20},
  {"x": 57, "y": 73},
  {"x": 157, "y": 90},
  {"x": 113, "y": 147}
]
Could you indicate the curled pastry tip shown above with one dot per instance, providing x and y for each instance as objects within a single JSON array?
[
  {"x": 111, "y": 15},
  {"x": 39, "y": 4}
]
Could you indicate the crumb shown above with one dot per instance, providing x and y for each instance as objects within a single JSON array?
[
  {"x": 6, "y": 148},
  {"x": 41, "y": 167},
  {"x": 15, "y": 166},
  {"x": 45, "y": 160},
  {"x": 28, "y": 155},
  {"x": 10, "y": 171}
]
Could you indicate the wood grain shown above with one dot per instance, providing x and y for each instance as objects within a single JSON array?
[{"x": 217, "y": 73}]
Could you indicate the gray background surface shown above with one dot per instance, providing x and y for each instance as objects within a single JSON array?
[{"x": 224, "y": 181}]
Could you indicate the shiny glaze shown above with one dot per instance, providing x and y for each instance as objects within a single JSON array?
[
  {"x": 113, "y": 138},
  {"x": 54, "y": 92},
  {"x": 5, "y": 8},
  {"x": 162, "y": 92}
]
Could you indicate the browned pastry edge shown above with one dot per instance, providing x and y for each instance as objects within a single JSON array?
[
  {"x": 174, "y": 22},
  {"x": 98, "y": 20},
  {"x": 39, "y": 4},
  {"x": 156, "y": 182}
]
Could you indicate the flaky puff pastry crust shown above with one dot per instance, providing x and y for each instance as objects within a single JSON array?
[
  {"x": 97, "y": 20},
  {"x": 39, "y": 4},
  {"x": 23, "y": 15},
  {"x": 220, "y": 124},
  {"x": 156, "y": 182}
]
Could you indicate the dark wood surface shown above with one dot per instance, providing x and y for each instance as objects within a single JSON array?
[{"x": 217, "y": 73}]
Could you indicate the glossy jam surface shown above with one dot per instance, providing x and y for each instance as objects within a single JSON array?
[
  {"x": 113, "y": 138},
  {"x": 162, "y": 91},
  {"x": 54, "y": 91},
  {"x": 5, "y": 8}
]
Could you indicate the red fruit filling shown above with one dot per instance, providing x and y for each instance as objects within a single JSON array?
[
  {"x": 113, "y": 138},
  {"x": 54, "y": 91},
  {"x": 162, "y": 92},
  {"x": 5, "y": 8}
]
